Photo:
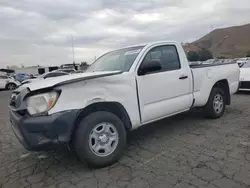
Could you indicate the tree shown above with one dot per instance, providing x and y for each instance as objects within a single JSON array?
[
  {"x": 192, "y": 56},
  {"x": 248, "y": 54},
  {"x": 84, "y": 63},
  {"x": 205, "y": 55}
]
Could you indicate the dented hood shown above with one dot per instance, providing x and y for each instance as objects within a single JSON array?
[{"x": 61, "y": 80}]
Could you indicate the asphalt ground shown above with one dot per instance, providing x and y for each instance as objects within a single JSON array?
[{"x": 186, "y": 150}]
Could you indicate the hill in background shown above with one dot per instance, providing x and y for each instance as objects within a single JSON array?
[{"x": 228, "y": 42}]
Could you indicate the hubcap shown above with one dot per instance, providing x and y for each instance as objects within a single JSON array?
[
  {"x": 218, "y": 103},
  {"x": 103, "y": 139}
]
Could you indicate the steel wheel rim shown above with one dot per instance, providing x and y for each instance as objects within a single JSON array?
[
  {"x": 218, "y": 103},
  {"x": 103, "y": 139}
]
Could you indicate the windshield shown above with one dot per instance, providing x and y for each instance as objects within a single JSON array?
[{"x": 120, "y": 60}]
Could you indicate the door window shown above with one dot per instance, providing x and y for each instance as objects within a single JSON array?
[
  {"x": 3, "y": 77},
  {"x": 166, "y": 55}
]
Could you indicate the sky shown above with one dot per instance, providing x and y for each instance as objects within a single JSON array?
[{"x": 40, "y": 32}]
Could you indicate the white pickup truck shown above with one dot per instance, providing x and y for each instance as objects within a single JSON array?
[{"x": 121, "y": 91}]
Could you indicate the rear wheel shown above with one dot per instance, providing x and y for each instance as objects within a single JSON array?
[
  {"x": 238, "y": 88},
  {"x": 100, "y": 139},
  {"x": 11, "y": 86},
  {"x": 215, "y": 106}
]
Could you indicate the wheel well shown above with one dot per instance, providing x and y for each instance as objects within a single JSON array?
[
  {"x": 223, "y": 84},
  {"x": 9, "y": 84},
  {"x": 113, "y": 107}
]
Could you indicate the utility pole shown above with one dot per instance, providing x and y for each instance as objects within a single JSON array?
[{"x": 73, "y": 53}]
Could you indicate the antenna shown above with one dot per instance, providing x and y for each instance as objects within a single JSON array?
[{"x": 73, "y": 53}]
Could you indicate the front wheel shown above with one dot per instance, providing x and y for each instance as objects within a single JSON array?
[
  {"x": 11, "y": 86},
  {"x": 100, "y": 139},
  {"x": 215, "y": 106}
]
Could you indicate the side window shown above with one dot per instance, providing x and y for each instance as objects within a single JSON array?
[
  {"x": 3, "y": 77},
  {"x": 167, "y": 56}
]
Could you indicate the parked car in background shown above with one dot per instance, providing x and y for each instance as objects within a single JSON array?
[
  {"x": 79, "y": 71},
  {"x": 9, "y": 83},
  {"x": 21, "y": 77},
  {"x": 51, "y": 74},
  {"x": 245, "y": 76},
  {"x": 67, "y": 70},
  {"x": 209, "y": 61},
  {"x": 121, "y": 91},
  {"x": 191, "y": 63},
  {"x": 69, "y": 66},
  {"x": 242, "y": 61},
  {"x": 229, "y": 61}
]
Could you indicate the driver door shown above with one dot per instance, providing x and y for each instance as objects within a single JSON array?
[{"x": 167, "y": 91}]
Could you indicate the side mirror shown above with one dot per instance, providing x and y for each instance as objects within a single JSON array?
[{"x": 149, "y": 66}]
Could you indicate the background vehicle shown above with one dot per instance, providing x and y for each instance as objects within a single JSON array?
[
  {"x": 79, "y": 71},
  {"x": 195, "y": 63},
  {"x": 121, "y": 91},
  {"x": 51, "y": 74},
  {"x": 242, "y": 61},
  {"x": 69, "y": 66},
  {"x": 245, "y": 76},
  {"x": 67, "y": 70},
  {"x": 7, "y": 82},
  {"x": 21, "y": 77}
]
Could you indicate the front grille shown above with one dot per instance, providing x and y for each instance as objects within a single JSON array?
[{"x": 245, "y": 85}]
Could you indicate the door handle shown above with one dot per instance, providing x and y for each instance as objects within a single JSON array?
[{"x": 183, "y": 77}]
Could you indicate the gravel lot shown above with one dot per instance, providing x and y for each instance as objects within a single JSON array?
[{"x": 183, "y": 151}]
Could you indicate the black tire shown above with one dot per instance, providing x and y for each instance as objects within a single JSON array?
[
  {"x": 81, "y": 139},
  {"x": 238, "y": 90},
  {"x": 11, "y": 86},
  {"x": 209, "y": 110}
]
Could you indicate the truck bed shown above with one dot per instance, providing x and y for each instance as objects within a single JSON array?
[{"x": 206, "y": 75}]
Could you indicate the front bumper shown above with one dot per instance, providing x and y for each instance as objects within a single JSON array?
[{"x": 43, "y": 132}]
